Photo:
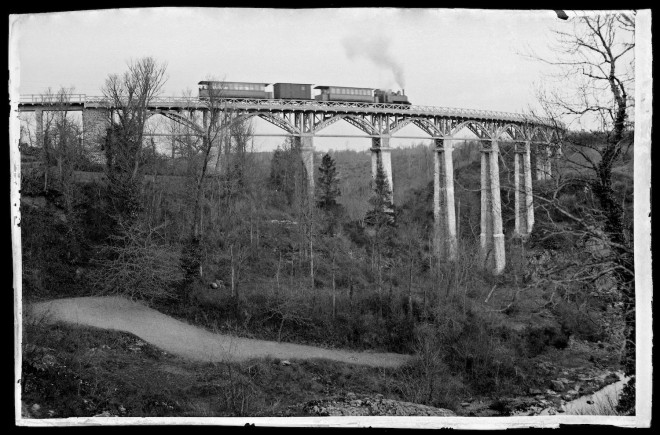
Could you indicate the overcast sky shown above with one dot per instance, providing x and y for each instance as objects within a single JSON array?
[{"x": 452, "y": 58}]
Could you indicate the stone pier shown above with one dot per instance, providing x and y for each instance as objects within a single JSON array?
[
  {"x": 95, "y": 122},
  {"x": 529, "y": 198},
  {"x": 543, "y": 162},
  {"x": 492, "y": 236},
  {"x": 39, "y": 133},
  {"x": 444, "y": 213},
  {"x": 307, "y": 155},
  {"x": 548, "y": 162},
  {"x": 523, "y": 200}
]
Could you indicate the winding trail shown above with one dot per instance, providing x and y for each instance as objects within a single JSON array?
[{"x": 189, "y": 341}]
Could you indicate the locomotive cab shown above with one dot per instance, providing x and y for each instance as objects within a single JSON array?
[{"x": 390, "y": 97}]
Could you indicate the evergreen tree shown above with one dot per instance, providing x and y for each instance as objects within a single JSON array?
[
  {"x": 327, "y": 189},
  {"x": 123, "y": 186},
  {"x": 382, "y": 213},
  {"x": 286, "y": 170}
]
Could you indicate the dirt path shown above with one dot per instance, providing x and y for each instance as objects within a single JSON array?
[{"x": 186, "y": 340}]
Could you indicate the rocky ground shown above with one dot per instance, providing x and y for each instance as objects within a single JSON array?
[
  {"x": 354, "y": 405},
  {"x": 569, "y": 385}
]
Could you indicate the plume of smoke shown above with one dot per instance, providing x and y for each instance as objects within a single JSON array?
[{"x": 377, "y": 50}]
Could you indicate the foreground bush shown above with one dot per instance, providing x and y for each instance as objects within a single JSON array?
[{"x": 137, "y": 264}]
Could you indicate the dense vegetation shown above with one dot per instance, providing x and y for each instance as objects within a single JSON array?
[
  {"x": 350, "y": 290},
  {"x": 233, "y": 241}
]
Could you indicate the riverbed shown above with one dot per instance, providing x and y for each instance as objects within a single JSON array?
[{"x": 602, "y": 402}]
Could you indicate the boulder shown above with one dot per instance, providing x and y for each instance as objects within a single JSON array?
[
  {"x": 557, "y": 385},
  {"x": 611, "y": 378}
]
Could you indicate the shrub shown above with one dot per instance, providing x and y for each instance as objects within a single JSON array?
[
  {"x": 540, "y": 337},
  {"x": 52, "y": 250},
  {"x": 138, "y": 265},
  {"x": 427, "y": 379},
  {"x": 575, "y": 321}
]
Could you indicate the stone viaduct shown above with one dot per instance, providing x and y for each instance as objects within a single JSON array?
[{"x": 303, "y": 119}]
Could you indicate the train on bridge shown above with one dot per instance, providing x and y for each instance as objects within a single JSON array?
[{"x": 300, "y": 91}]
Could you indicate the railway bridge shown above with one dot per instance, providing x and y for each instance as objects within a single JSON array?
[{"x": 304, "y": 119}]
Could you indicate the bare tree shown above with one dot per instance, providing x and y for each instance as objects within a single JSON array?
[
  {"x": 66, "y": 147},
  {"x": 216, "y": 122},
  {"x": 129, "y": 96},
  {"x": 594, "y": 62}
]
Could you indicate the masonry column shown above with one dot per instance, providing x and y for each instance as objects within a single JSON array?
[
  {"x": 486, "y": 238},
  {"x": 439, "y": 202},
  {"x": 307, "y": 154},
  {"x": 548, "y": 162},
  {"x": 540, "y": 166},
  {"x": 380, "y": 150},
  {"x": 443, "y": 201},
  {"x": 39, "y": 115},
  {"x": 492, "y": 236},
  {"x": 519, "y": 228},
  {"x": 95, "y": 123},
  {"x": 529, "y": 199},
  {"x": 498, "y": 235},
  {"x": 211, "y": 164}
]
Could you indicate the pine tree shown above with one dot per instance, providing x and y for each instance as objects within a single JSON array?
[
  {"x": 382, "y": 212},
  {"x": 380, "y": 219},
  {"x": 327, "y": 189},
  {"x": 287, "y": 171}
]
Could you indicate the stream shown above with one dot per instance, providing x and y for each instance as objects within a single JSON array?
[
  {"x": 601, "y": 402},
  {"x": 587, "y": 395}
]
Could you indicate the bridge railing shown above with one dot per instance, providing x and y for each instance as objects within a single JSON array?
[
  {"x": 52, "y": 99},
  {"x": 250, "y": 103}
]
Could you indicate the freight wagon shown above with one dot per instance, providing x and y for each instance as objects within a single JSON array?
[{"x": 292, "y": 91}]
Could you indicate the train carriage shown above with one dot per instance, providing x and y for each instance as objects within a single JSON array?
[
  {"x": 300, "y": 91},
  {"x": 234, "y": 89},
  {"x": 343, "y": 93}
]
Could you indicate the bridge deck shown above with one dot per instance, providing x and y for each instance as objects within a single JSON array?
[{"x": 80, "y": 102}]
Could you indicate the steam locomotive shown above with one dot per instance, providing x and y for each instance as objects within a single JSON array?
[{"x": 300, "y": 91}]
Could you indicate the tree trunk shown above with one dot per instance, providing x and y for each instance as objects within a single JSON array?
[
  {"x": 410, "y": 281},
  {"x": 231, "y": 254},
  {"x": 380, "y": 286},
  {"x": 279, "y": 265},
  {"x": 334, "y": 289}
]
